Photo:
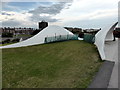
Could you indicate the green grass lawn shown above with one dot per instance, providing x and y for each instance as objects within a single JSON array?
[
  {"x": 6, "y": 44},
  {"x": 70, "y": 64}
]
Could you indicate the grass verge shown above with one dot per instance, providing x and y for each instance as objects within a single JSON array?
[{"x": 70, "y": 64}]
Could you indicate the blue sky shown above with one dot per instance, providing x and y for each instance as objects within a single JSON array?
[
  {"x": 76, "y": 13},
  {"x": 20, "y": 6}
]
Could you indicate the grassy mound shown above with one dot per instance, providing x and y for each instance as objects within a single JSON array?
[{"x": 70, "y": 64}]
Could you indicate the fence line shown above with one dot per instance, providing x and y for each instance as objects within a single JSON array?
[{"x": 60, "y": 38}]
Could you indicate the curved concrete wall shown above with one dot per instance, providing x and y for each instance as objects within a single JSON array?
[
  {"x": 103, "y": 36},
  {"x": 39, "y": 38}
]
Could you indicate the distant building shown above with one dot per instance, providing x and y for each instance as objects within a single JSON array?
[
  {"x": 42, "y": 25},
  {"x": 23, "y": 30},
  {"x": 16, "y": 31},
  {"x": 74, "y": 30},
  {"x": 91, "y": 30}
]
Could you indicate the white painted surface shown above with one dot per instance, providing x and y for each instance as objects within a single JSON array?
[
  {"x": 108, "y": 50},
  {"x": 105, "y": 44},
  {"x": 80, "y": 38},
  {"x": 111, "y": 48},
  {"x": 114, "y": 77},
  {"x": 39, "y": 38},
  {"x": 20, "y": 40}
]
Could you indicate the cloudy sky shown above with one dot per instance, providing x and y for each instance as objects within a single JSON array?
[{"x": 72, "y": 13}]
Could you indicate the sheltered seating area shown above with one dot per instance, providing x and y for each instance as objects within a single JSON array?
[{"x": 107, "y": 46}]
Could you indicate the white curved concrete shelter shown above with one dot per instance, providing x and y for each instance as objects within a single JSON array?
[
  {"x": 105, "y": 44},
  {"x": 40, "y": 37}
]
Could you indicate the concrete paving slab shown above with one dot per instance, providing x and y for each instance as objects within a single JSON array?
[
  {"x": 102, "y": 78},
  {"x": 119, "y": 75},
  {"x": 111, "y": 50},
  {"x": 108, "y": 77},
  {"x": 114, "y": 77}
]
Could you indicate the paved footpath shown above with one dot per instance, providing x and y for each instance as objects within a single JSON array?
[
  {"x": 119, "y": 64},
  {"x": 114, "y": 77}
]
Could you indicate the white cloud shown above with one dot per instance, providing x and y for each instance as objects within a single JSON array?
[
  {"x": 21, "y": 18},
  {"x": 14, "y": 15},
  {"x": 89, "y": 10},
  {"x": 104, "y": 14},
  {"x": 80, "y": 10},
  {"x": 37, "y": 0},
  {"x": 93, "y": 15}
]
